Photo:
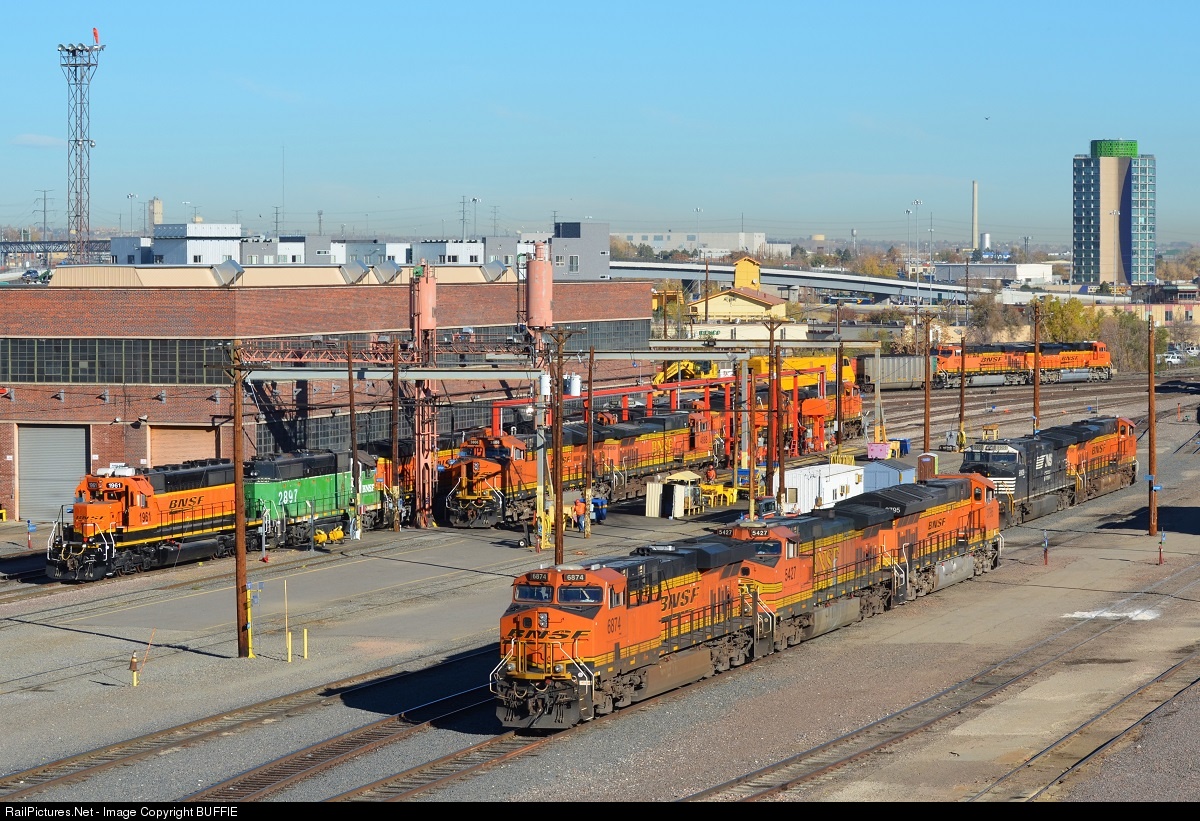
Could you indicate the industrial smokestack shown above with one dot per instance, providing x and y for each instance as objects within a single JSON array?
[{"x": 974, "y": 214}]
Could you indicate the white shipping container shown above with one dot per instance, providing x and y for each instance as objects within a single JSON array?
[{"x": 814, "y": 487}]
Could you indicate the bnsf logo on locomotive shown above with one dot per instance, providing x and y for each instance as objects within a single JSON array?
[
  {"x": 680, "y": 598},
  {"x": 186, "y": 502},
  {"x": 936, "y": 524},
  {"x": 548, "y": 635}
]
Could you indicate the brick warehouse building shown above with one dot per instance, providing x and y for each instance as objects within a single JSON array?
[{"x": 102, "y": 367}]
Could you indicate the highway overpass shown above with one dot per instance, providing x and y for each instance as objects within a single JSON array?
[{"x": 777, "y": 280}]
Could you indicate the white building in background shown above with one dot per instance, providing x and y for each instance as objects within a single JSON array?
[
  {"x": 1027, "y": 273},
  {"x": 197, "y": 243},
  {"x": 706, "y": 243}
]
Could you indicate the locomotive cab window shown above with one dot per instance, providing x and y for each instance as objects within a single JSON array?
[
  {"x": 533, "y": 593},
  {"x": 771, "y": 548},
  {"x": 580, "y": 595},
  {"x": 616, "y": 598},
  {"x": 978, "y": 494}
]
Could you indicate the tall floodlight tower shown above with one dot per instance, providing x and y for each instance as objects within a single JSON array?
[{"x": 79, "y": 63}]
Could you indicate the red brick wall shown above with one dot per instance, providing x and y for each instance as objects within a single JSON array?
[{"x": 219, "y": 313}]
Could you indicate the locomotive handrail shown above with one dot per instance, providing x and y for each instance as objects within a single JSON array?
[
  {"x": 585, "y": 678},
  {"x": 504, "y": 659}
]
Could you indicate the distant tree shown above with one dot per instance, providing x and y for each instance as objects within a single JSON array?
[
  {"x": 818, "y": 260},
  {"x": 1068, "y": 321},
  {"x": 844, "y": 256},
  {"x": 620, "y": 249},
  {"x": 1177, "y": 269},
  {"x": 873, "y": 265}
]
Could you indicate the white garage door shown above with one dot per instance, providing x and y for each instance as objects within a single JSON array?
[{"x": 51, "y": 460}]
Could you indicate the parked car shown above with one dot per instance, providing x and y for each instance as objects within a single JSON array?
[
  {"x": 1172, "y": 358},
  {"x": 1193, "y": 351}
]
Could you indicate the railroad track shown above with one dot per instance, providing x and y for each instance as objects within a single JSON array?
[
  {"x": 824, "y": 765},
  {"x": 446, "y": 770},
  {"x": 28, "y": 783},
  {"x": 1089, "y": 740},
  {"x": 270, "y": 778}
]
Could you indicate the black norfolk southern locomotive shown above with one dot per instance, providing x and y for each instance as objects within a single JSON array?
[{"x": 1058, "y": 467}]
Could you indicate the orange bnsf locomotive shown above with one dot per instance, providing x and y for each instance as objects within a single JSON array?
[
  {"x": 1057, "y": 468},
  {"x": 580, "y": 641},
  {"x": 494, "y": 479},
  {"x": 1013, "y": 364},
  {"x": 126, "y": 520}
]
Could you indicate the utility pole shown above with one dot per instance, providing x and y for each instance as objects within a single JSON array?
[
  {"x": 396, "y": 433},
  {"x": 837, "y": 432},
  {"x": 706, "y": 294},
  {"x": 590, "y": 421},
  {"x": 355, "y": 476},
  {"x": 927, "y": 319},
  {"x": 240, "y": 586},
  {"x": 773, "y": 433},
  {"x": 780, "y": 428},
  {"x": 962, "y": 375},
  {"x": 560, "y": 337},
  {"x": 44, "y": 192},
  {"x": 1151, "y": 441},
  {"x": 1037, "y": 366}
]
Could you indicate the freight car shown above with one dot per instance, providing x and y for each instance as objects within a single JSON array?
[
  {"x": 580, "y": 641},
  {"x": 1013, "y": 364},
  {"x": 894, "y": 372},
  {"x": 126, "y": 520},
  {"x": 1057, "y": 468}
]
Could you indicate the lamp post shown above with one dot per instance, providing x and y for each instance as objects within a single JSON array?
[
  {"x": 916, "y": 212},
  {"x": 929, "y": 274},
  {"x": 475, "y": 218},
  {"x": 698, "y": 211},
  {"x": 131, "y": 198},
  {"x": 907, "y": 238}
]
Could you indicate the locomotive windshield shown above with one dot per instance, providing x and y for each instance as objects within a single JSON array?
[
  {"x": 533, "y": 592},
  {"x": 580, "y": 595},
  {"x": 990, "y": 458}
]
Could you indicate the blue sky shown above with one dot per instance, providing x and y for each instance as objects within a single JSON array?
[{"x": 790, "y": 118}]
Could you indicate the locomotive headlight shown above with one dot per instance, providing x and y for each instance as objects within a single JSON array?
[
  {"x": 512, "y": 667},
  {"x": 543, "y": 620},
  {"x": 558, "y": 668}
]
